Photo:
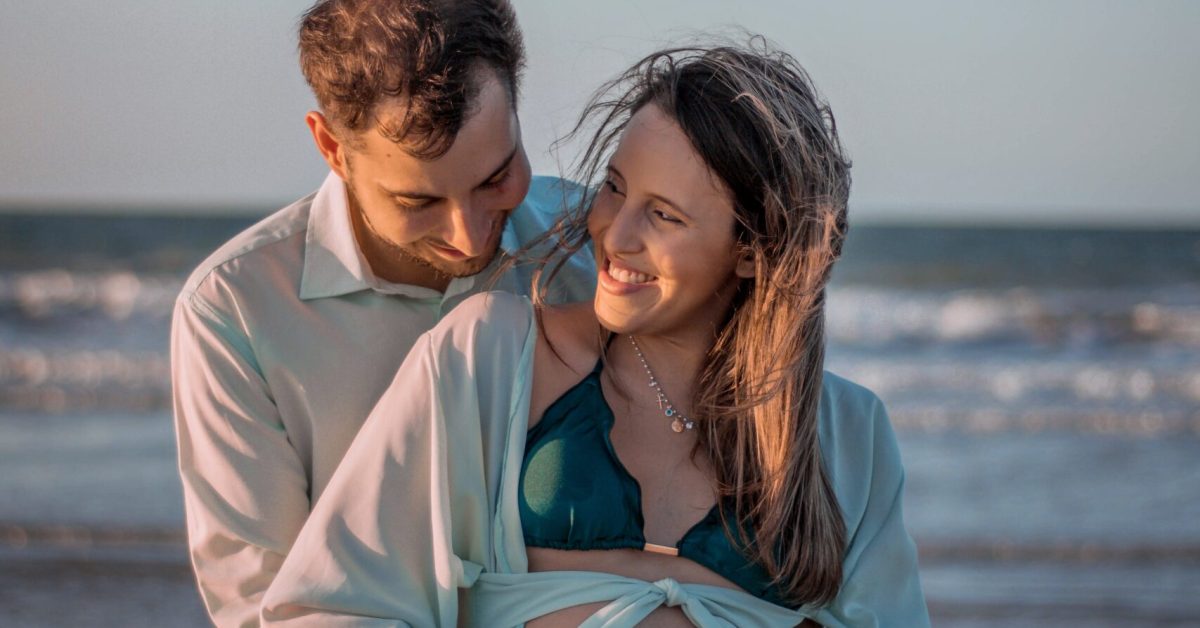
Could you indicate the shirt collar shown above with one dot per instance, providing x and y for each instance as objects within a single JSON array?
[{"x": 334, "y": 265}]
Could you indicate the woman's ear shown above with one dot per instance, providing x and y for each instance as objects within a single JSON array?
[{"x": 745, "y": 264}]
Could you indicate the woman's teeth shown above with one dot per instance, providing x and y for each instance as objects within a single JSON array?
[{"x": 626, "y": 276}]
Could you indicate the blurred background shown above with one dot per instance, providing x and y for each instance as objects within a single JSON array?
[{"x": 1021, "y": 284}]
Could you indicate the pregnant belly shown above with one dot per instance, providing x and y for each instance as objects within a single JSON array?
[{"x": 623, "y": 562}]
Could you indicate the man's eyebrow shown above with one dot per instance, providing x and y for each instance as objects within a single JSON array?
[
  {"x": 414, "y": 196},
  {"x": 503, "y": 165},
  {"x": 419, "y": 196}
]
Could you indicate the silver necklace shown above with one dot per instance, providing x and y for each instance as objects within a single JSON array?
[{"x": 678, "y": 421}]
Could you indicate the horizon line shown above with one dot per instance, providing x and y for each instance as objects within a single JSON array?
[{"x": 870, "y": 215}]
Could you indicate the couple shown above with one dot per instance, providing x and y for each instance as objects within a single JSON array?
[{"x": 651, "y": 439}]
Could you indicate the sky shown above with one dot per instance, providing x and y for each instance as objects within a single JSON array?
[{"x": 1019, "y": 112}]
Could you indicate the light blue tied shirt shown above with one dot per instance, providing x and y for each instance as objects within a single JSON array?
[{"x": 420, "y": 524}]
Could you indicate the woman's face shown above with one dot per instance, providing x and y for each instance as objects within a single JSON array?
[{"x": 663, "y": 229}]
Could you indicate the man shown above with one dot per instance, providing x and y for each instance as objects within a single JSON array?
[{"x": 283, "y": 340}]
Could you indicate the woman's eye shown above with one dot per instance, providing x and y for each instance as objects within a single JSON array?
[
  {"x": 612, "y": 186},
  {"x": 665, "y": 217}
]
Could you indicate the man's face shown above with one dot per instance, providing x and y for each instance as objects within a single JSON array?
[{"x": 424, "y": 221}]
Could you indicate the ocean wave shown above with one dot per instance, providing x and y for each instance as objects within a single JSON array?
[
  {"x": 1010, "y": 359},
  {"x": 73, "y": 381},
  {"x": 936, "y": 417},
  {"x": 1044, "y": 380},
  {"x": 1140, "y": 396},
  {"x": 877, "y": 316},
  {"x": 114, "y": 296}
]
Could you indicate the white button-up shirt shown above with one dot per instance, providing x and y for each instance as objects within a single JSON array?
[{"x": 282, "y": 341}]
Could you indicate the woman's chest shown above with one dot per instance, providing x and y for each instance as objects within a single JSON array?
[{"x": 586, "y": 486}]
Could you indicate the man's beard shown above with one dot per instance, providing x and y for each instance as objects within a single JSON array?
[
  {"x": 439, "y": 266},
  {"x": 465, "y": 268},
  {"x": 409, "y": 253}
]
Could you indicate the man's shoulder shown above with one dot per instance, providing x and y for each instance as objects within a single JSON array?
[
  {"x": 550, "y": 194},
  {"x": 547, "y": 200},
  {"x": 268, "y": 248}
]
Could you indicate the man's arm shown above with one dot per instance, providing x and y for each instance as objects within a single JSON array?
[{"x": 244, "y": 488}]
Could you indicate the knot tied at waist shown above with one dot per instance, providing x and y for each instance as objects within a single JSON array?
[
  {"x": 674, "y": 594},
  {"x": 499, "y": 599}
]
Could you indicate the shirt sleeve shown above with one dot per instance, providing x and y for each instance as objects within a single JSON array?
[
  {"x": 405, "y": 520},
  {"x": 881, "y": 586},
  {"x": 245, "y": 490}
]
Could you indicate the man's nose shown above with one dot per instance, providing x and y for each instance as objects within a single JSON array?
[{"x": 471, "y": 227}]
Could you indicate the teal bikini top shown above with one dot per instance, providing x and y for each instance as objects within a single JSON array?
[{"x": 575, "y": 494}]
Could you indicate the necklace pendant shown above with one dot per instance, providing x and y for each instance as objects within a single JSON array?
[{"x": 679, "y": 422}]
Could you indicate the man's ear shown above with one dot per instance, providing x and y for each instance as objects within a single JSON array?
[
  {"x": 745, "y": 264},
  {"x": 330, "y": 147}
]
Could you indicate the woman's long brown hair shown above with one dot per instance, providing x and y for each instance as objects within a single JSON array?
[{"x": 754, "y": 116}]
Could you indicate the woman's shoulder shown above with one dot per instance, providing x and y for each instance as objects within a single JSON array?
[
  {"x": 567, "y": 349},
  {"x": 852, "y": 419},
  {"x": 495, "y": 306},
  {"x": 858, "y": 445},
  {"x": 848, "y": 404},
  {"x": 494, "y": 310},
  {"x": 488, "y": 321},
  {"x": 570, "y": 332}
]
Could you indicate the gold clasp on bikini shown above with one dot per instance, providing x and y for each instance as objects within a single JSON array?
[{"x": 661, "y": 549}]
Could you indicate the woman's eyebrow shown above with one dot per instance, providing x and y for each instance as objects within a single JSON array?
[
  {"x": 658, "y": 197},
  {"x": 669, "y": 203}
]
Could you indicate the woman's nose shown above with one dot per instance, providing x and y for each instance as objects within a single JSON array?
[{"x": 623, "y": 231}]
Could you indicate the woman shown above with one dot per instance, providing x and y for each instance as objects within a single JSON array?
[{"x": 670, "y": 453}]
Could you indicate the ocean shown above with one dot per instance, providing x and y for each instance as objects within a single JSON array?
[{"x": 1044, "y": 385}]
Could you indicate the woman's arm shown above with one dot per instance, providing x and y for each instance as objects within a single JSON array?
[{"x": 406, "y": 518}]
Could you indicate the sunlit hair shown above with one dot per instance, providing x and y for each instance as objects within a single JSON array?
[
  {"x": 356, "y": 54},
  {"x": 752, "y": 113}
]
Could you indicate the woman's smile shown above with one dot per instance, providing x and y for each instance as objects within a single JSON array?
[{"x": 620, "y": 279}]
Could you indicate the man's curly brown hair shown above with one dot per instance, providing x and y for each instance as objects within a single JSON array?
[{"x": 356, "y": 54}]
